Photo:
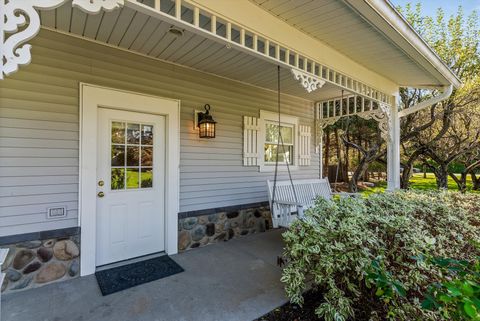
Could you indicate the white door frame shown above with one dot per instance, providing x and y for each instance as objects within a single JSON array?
[{"x": 91, "y": 96}]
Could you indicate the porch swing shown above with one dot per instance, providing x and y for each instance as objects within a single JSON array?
[{"x": 289, "y": 198}]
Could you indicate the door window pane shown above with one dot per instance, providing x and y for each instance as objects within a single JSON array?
[
  {"x": 118, "y": 132},
  {"x": 133, "y": 133},
  {"x": 147, "y": 156},
  {"x": 146, "y": 178},
  {"x": 133, "y": 154},
  {"x": 147, "y": 135},
  {"x": 118, "y": 178},
  {"x": 118, "y": 155},
  {"x": 132, "y": 178}
]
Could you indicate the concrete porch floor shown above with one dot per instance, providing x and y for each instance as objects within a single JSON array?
[{"x": 235, "y": 280}]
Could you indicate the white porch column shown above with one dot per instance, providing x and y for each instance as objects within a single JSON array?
[
  {"x": 393, "y": 149},
  {"x": 320, "y": 153}
]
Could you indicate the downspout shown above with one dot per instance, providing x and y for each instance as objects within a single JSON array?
[{"x": 447, "y": 91}]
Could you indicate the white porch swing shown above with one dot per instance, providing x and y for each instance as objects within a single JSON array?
[{"x": 290, "y": 198}]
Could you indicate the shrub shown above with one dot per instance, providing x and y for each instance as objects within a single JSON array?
[{"x": 363, "y": 253}]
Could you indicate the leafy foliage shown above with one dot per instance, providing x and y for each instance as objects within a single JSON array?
[
  {"x": 361, "y": 252},
  {"x": 458, "y": 298}
]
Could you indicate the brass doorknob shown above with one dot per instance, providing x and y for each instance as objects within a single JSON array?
[{"x": 101, "y": 194}]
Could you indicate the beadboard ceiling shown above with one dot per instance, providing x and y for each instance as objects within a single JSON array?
[
  {"x": 134, "y": 31},
  {"x": 335, "y": 23}
]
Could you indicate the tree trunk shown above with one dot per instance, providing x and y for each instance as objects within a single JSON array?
[
  {"x": 347, "y": 160},
  {"x": 406, "y": 175},
  {"x": 424, "y": 171},
  {"x": 441, "y": 176},
  {"x": 327, "y": 152},
  {"x": 461, "y": 182},
  {"x": 359, "y": 171},
  {"x": 475, "y": 181},
  {"x": 408, "y": 169}
]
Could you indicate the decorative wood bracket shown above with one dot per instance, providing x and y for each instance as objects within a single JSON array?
[
  {"x": 96, "y": 6},
  {"x": 14, "y": 15},
  {"x": 380, "y": 116},
  {"x": 329, "y": 115},
  {"x": 309, "y": 82}
]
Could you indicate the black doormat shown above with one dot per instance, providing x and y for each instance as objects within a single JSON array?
[{"x": 130, "y": 275}]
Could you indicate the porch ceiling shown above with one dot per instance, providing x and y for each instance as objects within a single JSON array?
[
  {"x": 132, "y": 30},
  {"x": 339, "y": 25}
]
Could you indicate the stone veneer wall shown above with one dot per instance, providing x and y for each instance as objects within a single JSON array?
[
  {"x": 34, "y": 263},
  {"x": 221, "y": 225}
]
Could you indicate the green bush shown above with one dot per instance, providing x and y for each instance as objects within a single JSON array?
[{"x": 363, "y": 253}]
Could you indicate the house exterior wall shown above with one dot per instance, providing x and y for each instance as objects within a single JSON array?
[{"x": 39, "y": 130}]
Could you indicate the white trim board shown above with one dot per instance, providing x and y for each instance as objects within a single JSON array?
[{"x": 91, "y": 97}]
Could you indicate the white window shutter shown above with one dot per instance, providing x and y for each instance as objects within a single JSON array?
[
  {"x": 305, "y": 135},
  {"x": 250, "y": 141}
]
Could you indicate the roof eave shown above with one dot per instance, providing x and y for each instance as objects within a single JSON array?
[{"x": 385, "y": 10}]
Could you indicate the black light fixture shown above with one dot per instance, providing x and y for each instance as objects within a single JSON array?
[{"x": 206, "y": 124}]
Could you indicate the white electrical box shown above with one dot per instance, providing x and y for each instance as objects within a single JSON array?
[{"x": 56, "y": 212}]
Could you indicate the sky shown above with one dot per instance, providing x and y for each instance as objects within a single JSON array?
[{"x": 429, "y": 7}]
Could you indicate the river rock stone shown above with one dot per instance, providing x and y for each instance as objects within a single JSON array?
[
  {"x": 232, "y": 214},
  {"x": 23, "y": 283},
  {"x": 198, "y": 233},
  {"x": 13, "y": 275},
  {"x": 213, "y": 218},
  {"x": 184, "y": 240},
  {"x": 49, "y": 243},
  {"x": 74, "y": 268},
  {"x": 244, "y": 232},
  {"x": 22, "y": 258},
  {"x": 231, "y": 233},
  {"x": 218, "y": 228},
  {"x": 202, "y": 220},
  {"x": 257, "y": 214},
  {"x": 32, "y": 267},
  {"x": 194, "y": 245},
  {"x": 45, "y": 254},
  {"x": 189, "y": 223},
  {"x": 30, "y": 244},
  {"x": 65, "y": 250},
  {"x": 51, "y": 272},
  {"x": 261, "y": 226},
  {"x": 220, "y": 237},
  {"x": 210, "y": 229}
]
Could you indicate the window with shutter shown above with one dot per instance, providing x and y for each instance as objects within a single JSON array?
[{"x": 260, "y": 139}]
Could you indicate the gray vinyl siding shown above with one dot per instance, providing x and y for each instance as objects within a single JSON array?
[{"x": 39, "y": 130}]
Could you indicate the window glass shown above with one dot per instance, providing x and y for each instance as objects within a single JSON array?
[
  {"x": 285, "y": 153},
  {"x": 131, "y": 155},
  {"x": 271, "y": 133}
]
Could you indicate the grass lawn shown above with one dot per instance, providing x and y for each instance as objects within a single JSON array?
[{"x": 418, "y": 182}]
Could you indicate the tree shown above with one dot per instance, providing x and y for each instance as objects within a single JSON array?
[
  {"x": 447, "y": 131},
  {"x": 374, "y": 147}
]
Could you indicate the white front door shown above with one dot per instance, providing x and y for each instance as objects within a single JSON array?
[{"x": 130, "y": 185}]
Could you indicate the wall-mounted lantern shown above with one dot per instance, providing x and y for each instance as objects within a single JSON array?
[{"x": 205, "y": 123}]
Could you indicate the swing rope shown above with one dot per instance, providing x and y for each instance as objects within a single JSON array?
[{"x": 280, "y": 140}]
